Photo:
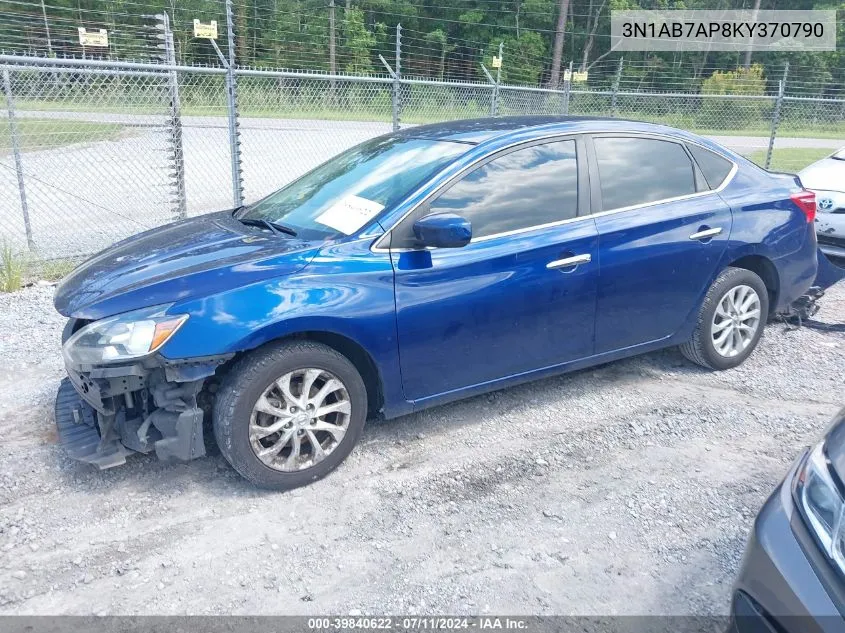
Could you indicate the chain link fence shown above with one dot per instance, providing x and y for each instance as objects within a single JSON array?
[
  {"x": 94, "y": 151},
  {"x": 72, "y": 180}
]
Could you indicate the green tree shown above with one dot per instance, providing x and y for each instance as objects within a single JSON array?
[
  {"x": 731, "y": 111},
  {"x": 359, "y": 43},
  {"x": 440, "y": 41},
  {"x": 523, "y": 57}
]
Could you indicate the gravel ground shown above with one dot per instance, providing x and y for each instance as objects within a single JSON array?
[{"x": 625, "y": 489}]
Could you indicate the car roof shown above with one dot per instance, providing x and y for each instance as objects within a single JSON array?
[{"x": 476, "y": 131}]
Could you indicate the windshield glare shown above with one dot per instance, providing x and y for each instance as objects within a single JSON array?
[{"x": 344, "y": 194}]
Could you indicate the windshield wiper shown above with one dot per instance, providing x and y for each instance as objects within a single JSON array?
[{"x": 274, "y": 227}]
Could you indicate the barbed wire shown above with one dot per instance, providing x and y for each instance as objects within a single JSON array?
[{"x": 302, "y": 41}]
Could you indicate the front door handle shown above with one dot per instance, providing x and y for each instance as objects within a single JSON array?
[
  {"x": 567, "y": 262},
  {"x": 706, "y": 234}
]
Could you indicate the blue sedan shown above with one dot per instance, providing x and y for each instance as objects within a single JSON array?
[{"x": 420, "y": 267}]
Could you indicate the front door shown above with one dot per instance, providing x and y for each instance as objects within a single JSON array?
[{"x": 521, "y": 296}]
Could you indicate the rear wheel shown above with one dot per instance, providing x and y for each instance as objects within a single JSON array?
[
  {"x": 730, "y": 321},
  {"x": 287, "y": 415}
]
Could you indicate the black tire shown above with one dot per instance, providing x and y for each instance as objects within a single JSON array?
[
  {"x": 247, "y": 381},
  {"x": 700, "y": 348}
]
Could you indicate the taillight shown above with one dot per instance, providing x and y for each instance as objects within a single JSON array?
[{"x": 806, "y": 201}]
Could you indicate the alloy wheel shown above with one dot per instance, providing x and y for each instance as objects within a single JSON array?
[
  {"x": 736, "y": 321},
  {"x": 299, "y": 419}
]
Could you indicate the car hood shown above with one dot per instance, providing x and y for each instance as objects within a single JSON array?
[
  {"x": 194, "y": 257},
  {"x": 827, "y": 174}
]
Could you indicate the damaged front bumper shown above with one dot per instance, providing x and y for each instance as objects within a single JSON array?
[{"x": 104, "y": 413}]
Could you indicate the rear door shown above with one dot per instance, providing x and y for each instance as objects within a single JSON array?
[
  {"x": 521, "y": 295},
  {"x": 662, "y": 230}
]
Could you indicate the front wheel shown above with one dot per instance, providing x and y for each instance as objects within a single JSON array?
[
  {"x": 289, "y": 414},
  {"x": 730, "y": 321}
]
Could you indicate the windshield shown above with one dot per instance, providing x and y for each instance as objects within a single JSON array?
[{"x": 342, "y": 195}]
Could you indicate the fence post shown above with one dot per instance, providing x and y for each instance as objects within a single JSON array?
[
  {"x": 567, "y": 85},
  {"x": 232, "y": 97},
  {"x": 616, "y": 81},
  {"x": 494, "y": 105},
  {"x": 397, "y": 79},
  {"x": 776, "y": 114},
  {"x": 16, "y": 150},
  {"x": 175, "y": 122},
  {"x": 493, "y": 90}
]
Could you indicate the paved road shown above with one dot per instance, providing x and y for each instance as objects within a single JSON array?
[
  {"x": 84, "y": 196},
  {"x": 744, "y": 144}
]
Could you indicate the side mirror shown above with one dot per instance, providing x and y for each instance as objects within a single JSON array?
[{"x": 443, "y": 230}]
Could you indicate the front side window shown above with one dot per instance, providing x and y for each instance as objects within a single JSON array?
[
  {"x": 641, "y": 170},
  {"x": 342, "y": 195},
  {"x": 527, "y": 187}
]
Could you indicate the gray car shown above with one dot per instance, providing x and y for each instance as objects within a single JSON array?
[
  {"x": 792, "y": 578},
  {"x": 827, "y": 179}
]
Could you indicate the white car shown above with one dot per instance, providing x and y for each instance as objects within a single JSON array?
[{"x": 827, "y": 179}]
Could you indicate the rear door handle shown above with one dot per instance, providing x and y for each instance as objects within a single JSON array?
[
  {"x": 566, "y": 262},
  {"x": 706, "y": 234}
]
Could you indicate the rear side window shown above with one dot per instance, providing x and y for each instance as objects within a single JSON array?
[
  {"x": 714, "y": 167},
  {"x": 527, "y": 187},
  {"x": 641, "y": 170}
]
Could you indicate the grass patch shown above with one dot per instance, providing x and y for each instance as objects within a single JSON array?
[
  {"x": 19, "y": 268},
  {"x": 12, "y": 265},
  {"x": 36, "y": 134},
  {"x": 270, "y": 104},
  {"x": 127, "y": 105},
  {"x": 790, "y": 159},
  {"x": 54, "y": 269}
]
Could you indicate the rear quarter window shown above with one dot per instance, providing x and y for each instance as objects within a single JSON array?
[{"x": 714, "y": 167}]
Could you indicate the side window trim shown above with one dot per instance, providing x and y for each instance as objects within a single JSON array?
[
  {"x": 597, "y": 206},
  {"x": 595, "y": 185},
  {"x": 584, "y": 189}
]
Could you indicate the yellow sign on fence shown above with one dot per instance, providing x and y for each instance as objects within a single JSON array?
[
  {"x": 99, "y": 37},
  {"x": 575, "y": 76},
  {"x": 497, "y": 62},
  {"x": 208, "y": 31}
]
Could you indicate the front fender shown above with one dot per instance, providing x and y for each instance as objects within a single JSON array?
[{"x": 346, "y": 290}]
